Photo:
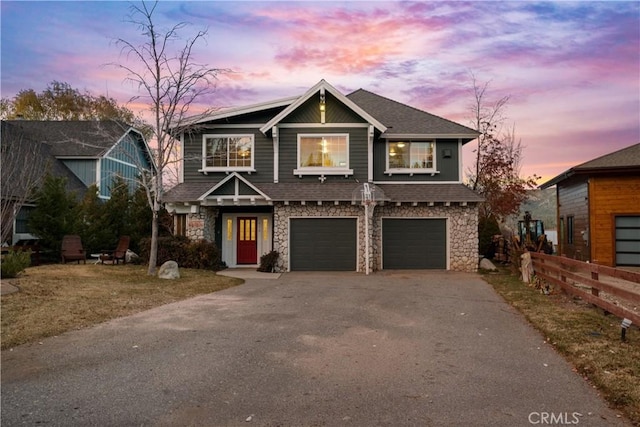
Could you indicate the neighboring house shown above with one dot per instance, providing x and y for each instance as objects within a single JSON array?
[
  {"x": 289, "y": 175},
  {"x": 599, "y": 209},
  {"x": 83, "y": 152}
]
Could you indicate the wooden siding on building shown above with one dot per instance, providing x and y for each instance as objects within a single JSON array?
[
  {"x": 573, "y": 202},
  {"x": 124, "y": 160},
  {"x": 610, "y": 196},
  {"x": 85, "y": 170}
]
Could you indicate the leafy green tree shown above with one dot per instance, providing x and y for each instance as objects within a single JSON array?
[
  {"x": 55, "y": 213},
  {"x": 117, "y": 208},
  {"x": 140, "y": 216},
  {"x": 91, "y": 223}
]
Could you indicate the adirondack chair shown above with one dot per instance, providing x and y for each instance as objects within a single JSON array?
[
  {"x": 118, "y": 254},
  {"x": 72, "y": 249}
]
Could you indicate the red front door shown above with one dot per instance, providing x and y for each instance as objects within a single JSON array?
[{"x": 247, "y": 243}]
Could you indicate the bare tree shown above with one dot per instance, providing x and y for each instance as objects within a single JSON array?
[
  {"x": 24, "y": 164},
  {"x": 487, "y": 117},
  {"x": 170, "y": 81},
  {"x": 496, "y": 173}
]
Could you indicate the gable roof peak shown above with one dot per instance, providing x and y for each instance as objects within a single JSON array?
[{"x": 323, "y": 85}]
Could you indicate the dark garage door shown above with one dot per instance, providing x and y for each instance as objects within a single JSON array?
[
  {"x": 414, "y": 244},
  {"x": 628, "y": 240},
  {"x": 323, "y": 244}
]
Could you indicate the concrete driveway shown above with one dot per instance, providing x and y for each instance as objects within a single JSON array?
[{"x": 308, "y": 349}]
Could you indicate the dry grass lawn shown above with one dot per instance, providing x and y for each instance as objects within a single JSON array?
[
  {"x": 590, "y": 340},
  {"x": 57, "y": 298}
]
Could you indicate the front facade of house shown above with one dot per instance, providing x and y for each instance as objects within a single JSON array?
[
  {"x": 599, "y": 211},
  {"x": 330, "y": 181}
]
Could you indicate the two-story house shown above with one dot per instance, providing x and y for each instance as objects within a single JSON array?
[
  {"x": 291, "y": 175},
  {"x": 83, "y": 152}
]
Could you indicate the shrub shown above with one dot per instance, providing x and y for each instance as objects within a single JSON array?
[
  {"x": 14, "y": 262},
  {"x": 203, "y": 254},
  {"x": 487, "y": 228},
  {"x": 268, "y": 262},
  {"x": 200, "y": 254}
]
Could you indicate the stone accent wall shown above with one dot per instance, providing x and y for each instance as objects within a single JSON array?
[
  {"x": 462, "y": 226},
  {"x": 201, "y": 226},
  {"x": 282, "y": 213}
]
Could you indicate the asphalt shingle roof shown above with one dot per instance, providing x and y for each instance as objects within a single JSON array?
[
  {"x": 343, "y": 192},
  {"x": 38, "y": 154},
  {"x": 73, "y": 138},
  {"x": 626, "y": 159},
  {"x": 402, "y": 119}
]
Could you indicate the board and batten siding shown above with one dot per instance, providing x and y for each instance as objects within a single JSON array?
[
  {"x": 85, "y": 170},
  {"x": 610, "y": 196},
  {"x": 336, "y": 112}
]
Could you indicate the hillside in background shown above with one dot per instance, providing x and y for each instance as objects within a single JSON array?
[{"x": 542, "y": 205}]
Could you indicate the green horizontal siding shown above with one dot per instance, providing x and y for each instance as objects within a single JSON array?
[
  {"x": 358, "y": 160},
  {"x": 448, "y": 167}
]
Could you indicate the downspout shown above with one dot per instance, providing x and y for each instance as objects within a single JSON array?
[{"x": 276, "y": 149}]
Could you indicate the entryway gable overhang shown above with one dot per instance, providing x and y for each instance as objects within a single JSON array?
[{"x": 239, "y": 195}]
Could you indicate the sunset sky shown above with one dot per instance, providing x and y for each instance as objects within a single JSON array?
[{"x": 572, "y": 70}]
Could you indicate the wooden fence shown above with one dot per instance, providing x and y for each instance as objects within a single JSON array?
[{"x": 588, "y": 281}]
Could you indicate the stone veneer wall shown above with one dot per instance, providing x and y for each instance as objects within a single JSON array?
[
  {"x": 282, "y": 213},
  {"x": 463, "y": 229},
  {"x": 207, "y": 218}
]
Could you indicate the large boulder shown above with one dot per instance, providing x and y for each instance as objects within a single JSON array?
[
  {"x": 169, "y": 270},
  {"x": 130, "y": 256},
  {"x": 485, "y": 264}
]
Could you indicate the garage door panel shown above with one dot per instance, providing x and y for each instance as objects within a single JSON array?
[
  {"x": 323, "y": 244},
  {"x": 414, "y": 244},
  {"x": 627, "y": 240}
]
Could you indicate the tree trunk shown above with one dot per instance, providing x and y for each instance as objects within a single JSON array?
[{"x": 153, "y": 252}]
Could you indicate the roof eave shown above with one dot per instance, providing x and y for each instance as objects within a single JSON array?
[
  {"x": 467, "y": 136},
  {"x": 587, "y": 171},
  {"x": 235, "y": 111}
]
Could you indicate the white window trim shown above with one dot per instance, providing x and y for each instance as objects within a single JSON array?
[
  {"x": 410, "y": 171},
  {"x": 318, "y": 170},
  {"x": 206, "y": 168}
]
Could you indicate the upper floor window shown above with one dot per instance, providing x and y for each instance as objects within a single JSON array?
[
  {"x": 227, "y": 152},
  {"x": 323, "y": 154},
  {"x": 570, "y": 230},
  {"x": 410, "y": 157}
]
